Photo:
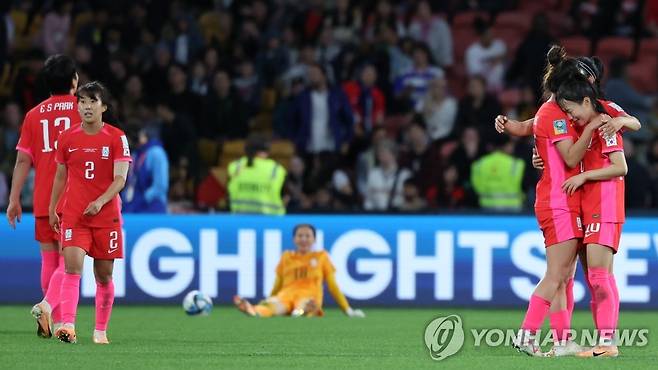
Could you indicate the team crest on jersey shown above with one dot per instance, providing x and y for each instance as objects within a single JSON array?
[
  {"x": 611, "y": 141},
  {"x": 313, "y": 262},
  {"x": 560, "y": 126},
  {"x": 68, "y": 234},
  {"x": 105, "y": 152}
]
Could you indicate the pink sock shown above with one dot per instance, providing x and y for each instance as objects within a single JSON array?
[
  {"x": 69, "y": 297},
  {"x": 560, "y": 325},
  {"x": 49, "y": 261},
  {"x": 54, "y": 291},
  {"x": 104, "y": 301},
  {"x": 615, "y": 292},
  {"x": 592, "y": 302},
  {"x": 570, "y": 302},
  {"x": 537, "y": 310},
  {"x": 605, "y": 301}
]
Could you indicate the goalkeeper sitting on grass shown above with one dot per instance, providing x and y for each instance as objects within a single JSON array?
[{"x": 298, "y": 290}]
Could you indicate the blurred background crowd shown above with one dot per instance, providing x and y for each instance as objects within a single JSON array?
[{"x": 376, "y": 105}]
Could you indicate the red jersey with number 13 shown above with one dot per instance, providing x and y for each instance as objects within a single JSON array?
[
  {"x": 89, "y": 160},
  {"x": 41, "y": 128}
]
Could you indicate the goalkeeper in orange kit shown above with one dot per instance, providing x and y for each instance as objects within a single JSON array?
[{"x": 298, "y": 289}]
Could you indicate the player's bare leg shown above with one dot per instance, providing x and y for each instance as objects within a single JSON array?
[
  {"x": 244, "y": 306},
  {"x": 104, "y": 299}
]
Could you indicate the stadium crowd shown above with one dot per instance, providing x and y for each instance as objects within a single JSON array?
[{"x": 375, "y": 105}]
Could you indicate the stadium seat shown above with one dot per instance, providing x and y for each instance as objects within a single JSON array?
[
  {"x": 643, "y": 75},
  {"x": 577, "y": 45},
  {"x": 509, "y": 98},
  {"x": 461, "y": 40},
  {"x": 512, "y": 39},
  {"x": 610, "y": 47},
  {"x": 648, "y": 48},
  {"x": 282, "y": 151},
  {"x": 466, "y": 19},
  {"x": 231, "y": 150},
  {"x": 515, "y": 20}
]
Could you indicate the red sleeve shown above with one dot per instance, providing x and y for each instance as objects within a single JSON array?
[
  {"x": 613, "y": 144},
  {"x": 120, "y": 148},
  {"x": 25, "y": 141},
  {"x": 613, "y": 109},
  {"x": 62, "y": 155}
]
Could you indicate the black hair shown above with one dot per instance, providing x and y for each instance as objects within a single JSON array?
[
  {"x": 97, "y": 90},
  {"x": 577, "y": 90},
  {"x": 299, "y": 226},
  {"x": 592, "y": 67},
  {"x": 59, "y": 71},
  {"x": 255, "y": 143}
]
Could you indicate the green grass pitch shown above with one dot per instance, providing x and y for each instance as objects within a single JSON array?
[{"x": 147, "y": 337}]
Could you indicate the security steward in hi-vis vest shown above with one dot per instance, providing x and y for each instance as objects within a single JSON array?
[
  {"x": 497, "y": 179},
  {"x": 255, "y": 181}
]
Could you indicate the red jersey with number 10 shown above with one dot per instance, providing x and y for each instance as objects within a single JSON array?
[
  {"x": 41, "y": 128},
  {"x": 89, "y": 161},
  {"x": 551, "y": 126},
  {"x": 603, "y": 201}
]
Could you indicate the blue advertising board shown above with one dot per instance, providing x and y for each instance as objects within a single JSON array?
[{"x": 471, "y": 261}]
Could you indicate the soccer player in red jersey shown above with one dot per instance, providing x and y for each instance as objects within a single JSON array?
[
  {"x": 562, "y": 148},
  {"x": 602, "y": 181},
  {"x": 92, "y": 166},
  {"x": 36, "y": 147}
]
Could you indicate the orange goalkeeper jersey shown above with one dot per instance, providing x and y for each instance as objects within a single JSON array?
[{"x": 304, "y": 272}]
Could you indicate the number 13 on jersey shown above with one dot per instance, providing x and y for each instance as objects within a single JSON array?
[{"x": 46, "y": 133}]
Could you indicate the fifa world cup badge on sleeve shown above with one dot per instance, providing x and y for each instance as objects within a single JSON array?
[{"x": 560, "y": 126}]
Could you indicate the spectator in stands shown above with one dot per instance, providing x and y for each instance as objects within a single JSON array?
[
  {"x": 9, "y": 132},
  {"x": 439, "y": 110},
  {"x": 273, "y": 60},
  {"x": 367, "y": 160},
  {"x": 382, "y": 16},
  {"x": 398, "y": 51},
  {"x": 179, "y": 98},
  {"x": 450, "y": 192},
  {"x": 411, "y": 86},
  {"x": 528, "y": 65},
  {"x": 297, "y": 187},
  {"x": 469, "y": 150},
  {"x": 385, "y": 181},
  {"x": 638, "y": 180},
  {"x": 651, "y": 18},
  {"x": 367, "y": 101},
  {"x": 486, "y": 56},
  {"x": 420, "y": 156},
  {"x": 619, "y": 90},
  {"x": 156, "y": 76},
  {"x": 56, "y": 26},
  {"x": 627, "y": 19},
  {"x": 412, "y": 201},
  {"x": 344, "y": 21},
  {"x": 478, "y": 108},
  {"x": 188, "y": 41},
  {"x": 147, "y": 186},
  {"x": 322, "y": 117},
  {"x": 177, "y": 133},
  {"x": 199, "y": 79},
  {"x": 221, "y": 103},
  {"x": 247, "y": 85},
  {"x": 433, "y": 30},
  {"x": 497, "y": 178}
]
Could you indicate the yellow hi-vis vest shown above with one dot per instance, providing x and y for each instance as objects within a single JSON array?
[
  {"x": 256, "y": 188},
  {"x": 497, "y": 179}
]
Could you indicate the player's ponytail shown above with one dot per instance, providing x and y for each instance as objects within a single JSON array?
[
  {"x": 592, "y": 68},
  {"x": 255, "y": 143},
  {"x": 554, "y": 59}
]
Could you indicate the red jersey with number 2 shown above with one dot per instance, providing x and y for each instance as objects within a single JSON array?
[
  {"x": 41, "y": 128},
  {"x": 89, "y": 160},
  {"x": 603, "y": 201},
  {"x": 551, "y": 126}
]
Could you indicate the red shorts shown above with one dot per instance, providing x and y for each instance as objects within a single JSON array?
[
  {"x": 103, "y": 243},
  {"x": 559, "y": 225},
  {"x": 604, "y": 233},
  {"x": 43, "y": 233}
]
